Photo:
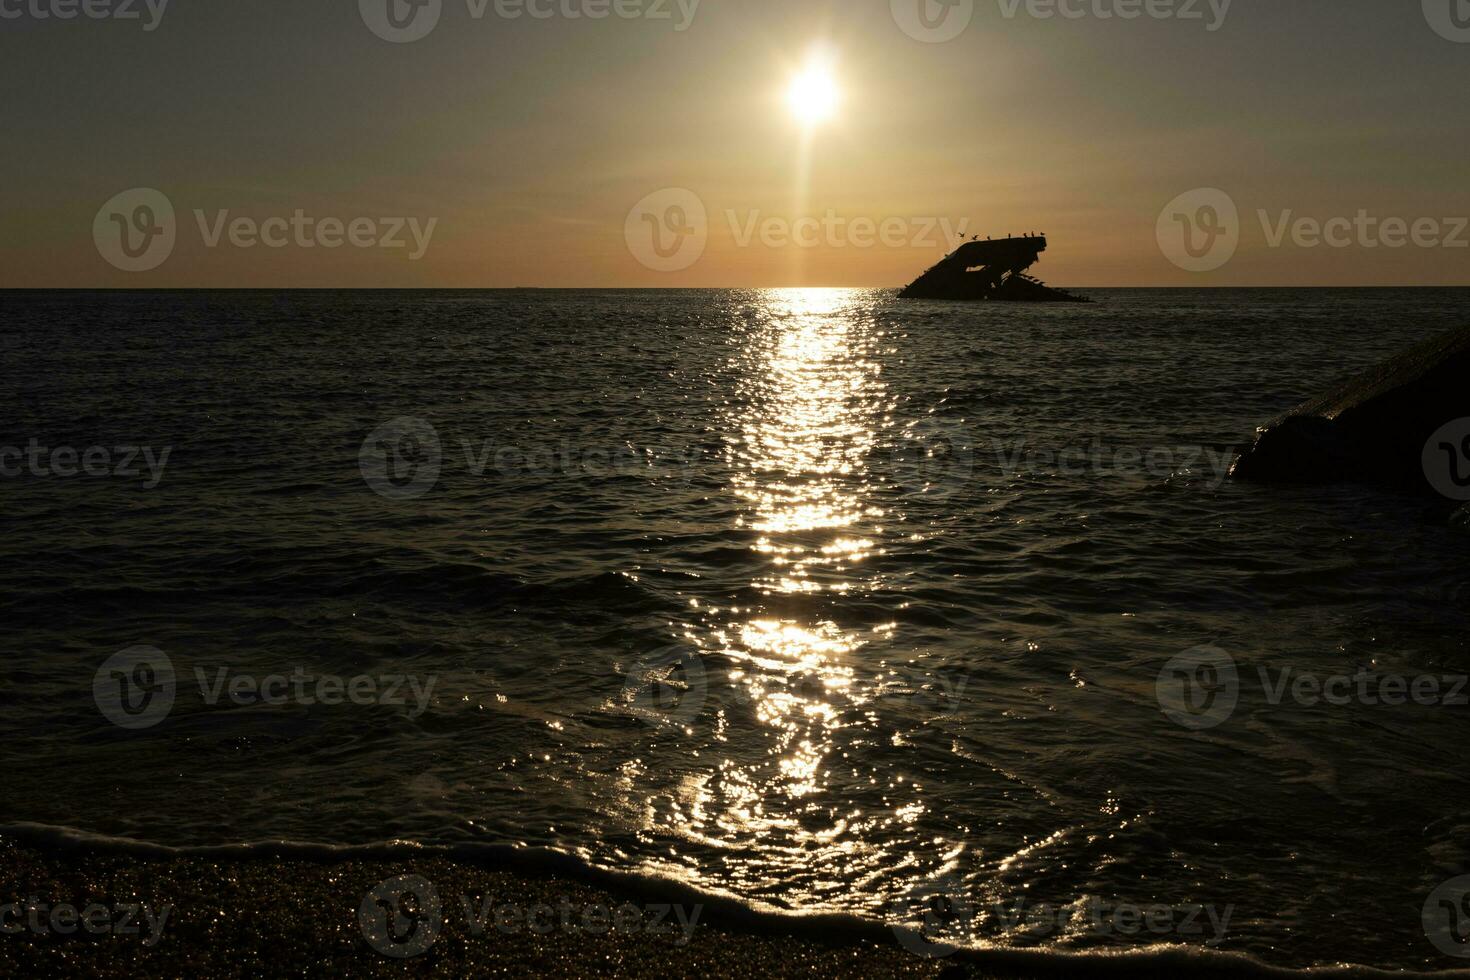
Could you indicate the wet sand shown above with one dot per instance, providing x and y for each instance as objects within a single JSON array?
[
  {"x": 149, "y": 912},
  {"x": 272, "y": 916}
]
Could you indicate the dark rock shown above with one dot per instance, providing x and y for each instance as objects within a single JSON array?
[{"x": 1394, "y": 424}]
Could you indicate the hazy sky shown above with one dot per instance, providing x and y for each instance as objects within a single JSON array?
[{"x": 529, "y": 141}]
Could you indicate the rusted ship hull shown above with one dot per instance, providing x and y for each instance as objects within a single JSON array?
[{"x": 990, "y": 270}]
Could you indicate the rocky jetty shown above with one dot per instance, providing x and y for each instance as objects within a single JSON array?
[{"x": 1404, "y": 423}]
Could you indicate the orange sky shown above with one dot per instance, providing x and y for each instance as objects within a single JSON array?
[{"x": 528, "y": 142}]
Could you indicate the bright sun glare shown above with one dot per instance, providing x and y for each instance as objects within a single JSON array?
[{"x": 813, "y": 94}]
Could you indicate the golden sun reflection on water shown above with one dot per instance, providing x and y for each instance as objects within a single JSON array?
[
  {"x": 806, "y": 443},
  {"x": 817, "y": 409}
]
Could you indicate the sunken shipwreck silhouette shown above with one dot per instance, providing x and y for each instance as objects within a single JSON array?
[{"x": 990, "y": 270}]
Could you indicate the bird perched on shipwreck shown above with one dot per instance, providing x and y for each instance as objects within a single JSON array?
[{"x": 994, "y": 270}]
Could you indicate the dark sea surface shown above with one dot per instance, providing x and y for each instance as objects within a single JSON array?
[{"x": 819, "y": 598}]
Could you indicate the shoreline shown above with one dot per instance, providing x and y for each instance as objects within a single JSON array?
[
  {"x": 97, "y": 906},
  {"x": 227, "y": 912}
]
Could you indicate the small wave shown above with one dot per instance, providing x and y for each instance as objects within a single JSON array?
[{"x": 719, "y": 908}]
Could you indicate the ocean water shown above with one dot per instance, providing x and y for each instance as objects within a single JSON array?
[{"x": 817, "y": 598}]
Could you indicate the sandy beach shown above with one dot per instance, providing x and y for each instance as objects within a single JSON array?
[
  {"x": 268, "y": 916},
  {"x": 72, "y": 906}
]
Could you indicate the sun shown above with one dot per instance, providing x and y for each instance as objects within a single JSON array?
[{"x": 813, "y": 95}]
